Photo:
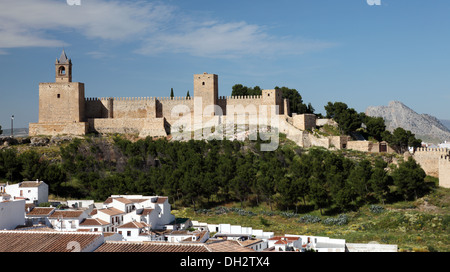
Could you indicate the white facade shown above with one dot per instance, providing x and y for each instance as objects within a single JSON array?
[
  {"x": 32, "y": 191},
  {"x": 237, "y": 230},
  {"x": 67, "y": 220},
  {"x": 12, "y": 213}
]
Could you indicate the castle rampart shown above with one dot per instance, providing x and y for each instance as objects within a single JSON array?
[
  {"x": 444, "y": 171},
  {"x": 428, "y": 158}
]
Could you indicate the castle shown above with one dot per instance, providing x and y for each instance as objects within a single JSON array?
[{"x": 64, "y": 109}]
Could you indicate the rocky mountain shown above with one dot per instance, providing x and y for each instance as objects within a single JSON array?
[
  {"x": 446, "y": 123},
  {"x": 424, "y": 126}
]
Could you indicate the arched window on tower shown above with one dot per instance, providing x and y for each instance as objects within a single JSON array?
[{"x": 62, "y": 71}]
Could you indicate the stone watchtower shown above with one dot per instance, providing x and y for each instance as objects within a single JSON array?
[
  {"x": 206, "y": 87},
  {"x": 61, "y": 103}
]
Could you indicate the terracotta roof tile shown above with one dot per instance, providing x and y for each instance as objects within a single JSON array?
[
  {"x": 115, "y": 246},
  {"x": 94, "y": 222},
  {"x": 227, "y": 246},
  {"x": 66, "y": 214},
  {"x": 35, "y": 241},
  {"x": 40, "y": 211},
  {"x": 134, "y": 225},
  {"x": 110, "y": 211}
]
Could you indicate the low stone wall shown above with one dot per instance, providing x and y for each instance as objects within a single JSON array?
[{"x": 51, "y": 129}]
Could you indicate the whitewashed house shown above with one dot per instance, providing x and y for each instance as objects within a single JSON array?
[
  {"x": 12, "y": 212},
  {"x": 178, "y": 236},
  {"x": 95, "y": 224},
  {"x": 152, "y": 210},
  {"x": 67, "y": 220},
  {"x": 39, "y": 216},
  {"x": 35, "y": 192},
  {"x": 285, "y": 243},
  {"x": 110, "y": 215},
  {"x": 135, "y": 231}
]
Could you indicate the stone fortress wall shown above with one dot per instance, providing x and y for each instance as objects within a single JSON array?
[{"x": 435, "y": 162}]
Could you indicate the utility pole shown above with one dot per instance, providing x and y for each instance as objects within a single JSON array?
[{"x": 12, "y": 126}]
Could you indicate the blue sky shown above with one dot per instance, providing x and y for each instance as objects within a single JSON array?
[{"x": 329, "y": 50}]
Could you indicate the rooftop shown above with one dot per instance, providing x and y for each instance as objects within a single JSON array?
[
  {"x": 115, "y": 246},
  {"x": 41, "y": 241}
]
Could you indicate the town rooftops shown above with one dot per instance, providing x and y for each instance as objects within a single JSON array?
[
  {"x": 41, "y": 211},
  {"x": 117, "y": 246},
  {"x": 134, "y": 225},
  {"x": 29, "y": 184},
  {"x": 66, "y": 214},
  {"x": 94, "y": 222},
  {"x": 42, "y": 241},
  {"x": 110, "y": 211}
]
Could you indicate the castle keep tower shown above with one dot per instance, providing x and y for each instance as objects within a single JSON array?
[
  {"x": 206, "y": 87},
  {"x": 61, "y": 103}
]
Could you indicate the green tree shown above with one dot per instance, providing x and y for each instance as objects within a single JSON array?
[
  {"x": 347, "y": 118},
  {"x": 409, "y": 179},
  {"x": 296, "y": 104},
  {"x": 380, "y": 180},
  {"x": 171, "y": 93},
  {"x": 401, "y": 139},
  {"x": 1, "y": 131},
  {"x": 375, "y": 126},
  {"x": 188, "y": 95}
]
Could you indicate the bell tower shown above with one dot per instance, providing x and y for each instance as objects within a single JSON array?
[{"x": 63, "y": 68}]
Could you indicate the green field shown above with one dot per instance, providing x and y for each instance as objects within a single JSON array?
[{"x": 415, "y": 226}]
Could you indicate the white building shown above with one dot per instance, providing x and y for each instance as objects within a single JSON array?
[
  {"x": 67, "y": 220},
  {"x": 40, "y": 216},
  {"x": 320, "y": 243},
  {"x": 12, "y": 212},
  {"x": 95, "y": 224},
  {"x": 236, "y": 231},
  {"x": 110, "y": 215},
  {"x": 152, "y": 210},
  {"x": 187, "y": 236},
  {"x": 135, "y": 231},
  {"x": 35, "y": 192}
]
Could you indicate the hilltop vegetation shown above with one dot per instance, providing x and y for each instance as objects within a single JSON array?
[
  {"x": 201, "y": 174},
  {"x": 290, "y": 190}
]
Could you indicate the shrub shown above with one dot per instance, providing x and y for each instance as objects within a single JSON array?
[
  {"x": 341, "y": 220},
  {"x": 376, "y": 209},
  {"x": 309, "y": 219}
]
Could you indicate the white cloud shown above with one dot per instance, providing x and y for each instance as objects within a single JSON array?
[{"x": 153, "y": 27}]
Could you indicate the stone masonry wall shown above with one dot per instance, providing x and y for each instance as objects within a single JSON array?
[
  {"x": 444, "y": 171},
  {"x": 428, "y": 158}
]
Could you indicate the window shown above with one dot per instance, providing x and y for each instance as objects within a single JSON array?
[
  {"x": 62, "y": 71},
  {"x": 203, "y": 83},
  {"x": 128, "y": 233},
  {"x": 58, "y": 95}
]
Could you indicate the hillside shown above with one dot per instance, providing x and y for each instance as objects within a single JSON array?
[
  {"x": 446, "y": 123},
  {"x": 424, "y": 126}
]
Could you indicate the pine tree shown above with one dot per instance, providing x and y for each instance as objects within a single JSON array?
[{"x": 171, "y": 93}]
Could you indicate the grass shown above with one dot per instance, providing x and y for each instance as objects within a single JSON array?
[{"x": 410, "y": 225}]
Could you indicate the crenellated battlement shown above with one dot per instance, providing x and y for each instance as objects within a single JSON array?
[
  {"x": 181, "y": 98},
  {"x": 436, "y": 150},
  {"x": 240, "y": 97}
]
